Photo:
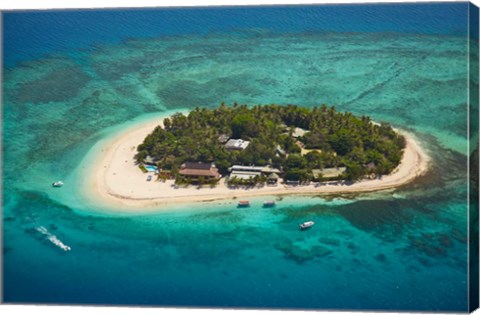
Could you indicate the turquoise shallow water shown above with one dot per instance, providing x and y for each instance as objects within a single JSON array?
[{"x": 401, "y": 250}]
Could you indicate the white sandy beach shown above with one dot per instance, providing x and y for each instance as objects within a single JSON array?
[{"x": 116, "y": 181}]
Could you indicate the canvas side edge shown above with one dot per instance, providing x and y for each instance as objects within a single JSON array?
[{"x": 473, "y": 138}]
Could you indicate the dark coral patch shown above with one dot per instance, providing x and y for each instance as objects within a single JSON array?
[
  {"x": 372, "y": 214},
  {"x": 381, "y": 258},
  {"x": 301, "y": 255},
  {"x": 59, "y": 85},
  {"x": 431, "y": 244},
  {"x": 6, "y": 249},
  {"x": 329, "y": 241}
]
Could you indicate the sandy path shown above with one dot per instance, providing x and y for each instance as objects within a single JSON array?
[{"x": 115, "y": 181}]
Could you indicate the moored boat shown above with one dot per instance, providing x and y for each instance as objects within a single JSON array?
[
  {"x": 267, "y": 204},
  {"x": 306, "y": 225},
  {"x": 244, "y": 203},
  {"x": 57, "y": 184}
]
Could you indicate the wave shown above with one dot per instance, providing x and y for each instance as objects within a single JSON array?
[{"x": 52, "y": 238}]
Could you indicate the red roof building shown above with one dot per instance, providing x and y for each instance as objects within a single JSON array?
[{"x": 199, "y": 169}]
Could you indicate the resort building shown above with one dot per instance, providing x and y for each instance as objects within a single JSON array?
[
  {"x": 150, "y": 160},
  {"x": 236, "y": 144},
  {"x": 273, "y": 179},
  {"x": 267, "y": 170},
  {"x": 298, "y": 132},
  {"x": 223, "y": 138},
  {"x": 329, "y": 172},
  {"x": 196, "y": 170},
  {"x": 247, "y": 172}
]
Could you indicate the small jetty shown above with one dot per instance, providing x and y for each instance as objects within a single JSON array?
[
  {"x": 57, "y": 184},
  {"x": 243, "y": 204},
  {"x": 269, "y": 204},
  {"x": 306, "y": 225}
]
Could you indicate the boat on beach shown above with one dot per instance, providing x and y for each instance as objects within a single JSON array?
[
  {"x": 57, "y": 184},
  {"x": 306, "y": 225},
  {"x": 268, "y": 204},
  {"x": 243, "y": 203}
]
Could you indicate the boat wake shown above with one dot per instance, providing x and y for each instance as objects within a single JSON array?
[{"x": 53, "y": 239}]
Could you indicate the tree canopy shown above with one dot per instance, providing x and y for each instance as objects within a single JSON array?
[{"x": 327, "y": 139}]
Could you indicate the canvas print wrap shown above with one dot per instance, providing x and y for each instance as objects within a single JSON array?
[
  {"x": 474, "y": 159},
  {"x": 319, "y": 157}
]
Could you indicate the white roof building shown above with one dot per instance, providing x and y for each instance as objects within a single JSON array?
[
  {"x": 236, "y": 144},
  {"x": 329, "y": 172},
  {"x": 243, "y": 168},
  {"x": 246, "y": 172},
  {"x": 298, "y": 132},
  {"x": 244, "y": 175}
]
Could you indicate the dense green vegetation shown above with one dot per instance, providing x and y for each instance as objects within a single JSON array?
[{"x": 330, "y": 139}]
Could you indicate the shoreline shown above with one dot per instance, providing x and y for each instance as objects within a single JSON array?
[{"x": 111, "y": 178}]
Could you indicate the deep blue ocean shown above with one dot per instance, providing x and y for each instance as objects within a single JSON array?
[
  {"x": 31, "y": 34},
  {"x": 72, "y": 78}
]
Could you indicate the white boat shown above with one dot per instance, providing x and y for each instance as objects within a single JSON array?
[
  {"x": 57, "y": 184},
  {"x": 306, "y": 225}
]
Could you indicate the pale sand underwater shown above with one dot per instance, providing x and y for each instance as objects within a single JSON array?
[{"x": 114, "y": 179}]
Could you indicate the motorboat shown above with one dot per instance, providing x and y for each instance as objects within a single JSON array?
[
  {"x": 243, "y": 203},
  {"x": 52, "y": 238},
  {"x": 268, "y": 204},
  {"x": 306, "y": 225},
  {"x": 57, "y": 184}
]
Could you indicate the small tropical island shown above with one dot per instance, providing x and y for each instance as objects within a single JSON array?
[
  {"x": 270, "y": 143},
  {"x": 239, "y": 151}
]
